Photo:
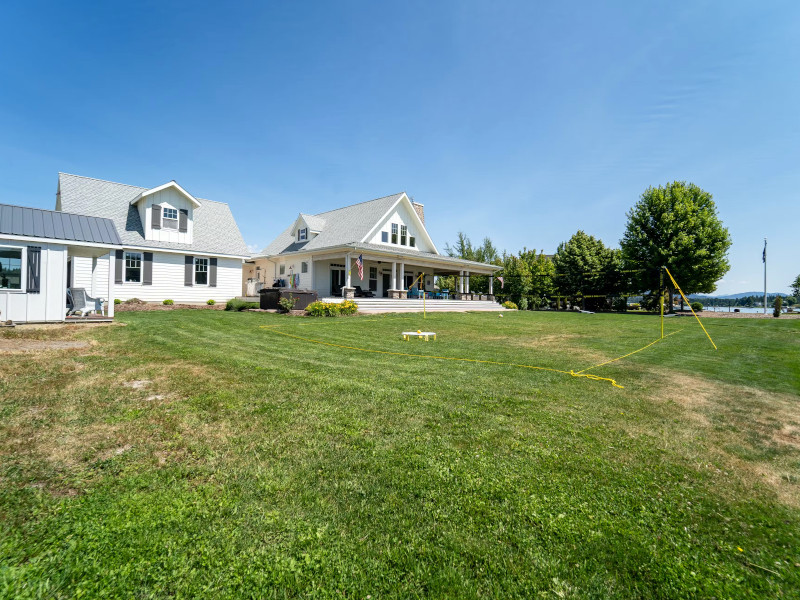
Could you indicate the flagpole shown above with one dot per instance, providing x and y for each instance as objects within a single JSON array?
[{"x": 764, "y": 257}]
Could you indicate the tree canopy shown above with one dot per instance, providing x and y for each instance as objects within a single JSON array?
[
  {"x": 584, "y": 265},
  {"x": 676, "y": 226}
]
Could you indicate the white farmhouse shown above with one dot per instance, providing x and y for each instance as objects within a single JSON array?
[
  {"x": 320, "y": 252},
  {"x": 174, "y": 245}
]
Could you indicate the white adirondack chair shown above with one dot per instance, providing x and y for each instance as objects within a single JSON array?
[{"x": 83, "y": 303}]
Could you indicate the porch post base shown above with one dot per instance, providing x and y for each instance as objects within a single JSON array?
[
  {"x": 490, "y": 297},
  {"x": 398, "y": 294},
  {"x": 348, "y": 293}
]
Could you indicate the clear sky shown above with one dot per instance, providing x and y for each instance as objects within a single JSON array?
[{"x": 521, "y": 121}]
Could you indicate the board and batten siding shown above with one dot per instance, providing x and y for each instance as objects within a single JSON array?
[
  {"x": 168, "y": 281},
  {"x": 166, "y": 198},
  {"x": 50, "y": 303}
]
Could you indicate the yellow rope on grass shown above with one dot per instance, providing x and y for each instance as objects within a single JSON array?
[
  {"x": 471, "y": 360},
  {"x": 629, "y": 353},
  {"x": 675, "y": 283}
]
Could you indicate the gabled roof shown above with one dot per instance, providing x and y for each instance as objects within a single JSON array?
[
  {"x": 214, "y": 230},
  {"x": 55, "y": 225},
  {"x": 172, "y": 184},
  {"x": 346, "y": 225},
  {"x": 315, "y": 223}
]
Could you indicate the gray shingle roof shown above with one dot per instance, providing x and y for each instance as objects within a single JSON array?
[
  {"x": 346, "y": 225},
  {"x": 215, "y": 230},
  {"x": 54, "y": 225}
]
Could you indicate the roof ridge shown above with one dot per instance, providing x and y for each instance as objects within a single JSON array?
[
  {"x": 60, "y": 212},
  {"x": 357, "y": 203},
  {"x": 104, "y": 180}
]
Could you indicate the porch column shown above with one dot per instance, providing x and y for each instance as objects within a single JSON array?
[
  {"x": 461, "y": 282},
  {"x": 491, "y": 284},
  {"x": 467, "y": 282},
  {"x": 348, "y": 291},
  {"x": 394, "y": 275},
  {"x": 111, "y": 271},
  {"x": 401, "y": 282}
]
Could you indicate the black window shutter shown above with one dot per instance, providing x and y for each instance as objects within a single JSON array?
[
  {"x": 156, "y": 216},
  {"x": 183, "y": 222},
  {"x": 120, "y": 255},
  {"x": 147, "y": 268},
  {"x": 212, "y": 271},
  {"x": 188, "y": 276},
  {"x": 34, "y": 269}
]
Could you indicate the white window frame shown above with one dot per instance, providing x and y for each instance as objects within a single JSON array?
[
  {"x": 302, "y": 234},
  {"x": 132, "y": 256},
  {"x": 200, "y": 266},
  {"x": 403, "y": 235},
  {"x": 282, "y": 270},
  {"x": 394, "y": 233},
  {"x": 304, "y": 267},
  {"x": 23, "y": 269},
  {"x": 169, "y": 222}
]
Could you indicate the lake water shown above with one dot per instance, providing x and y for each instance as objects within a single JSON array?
[{"x": 741, "y": 309}]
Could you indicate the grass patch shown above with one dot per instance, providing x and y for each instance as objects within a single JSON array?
[{"x": 201, "y": 454}]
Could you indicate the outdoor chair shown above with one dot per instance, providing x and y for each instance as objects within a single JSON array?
[
  {"x": 359, "y": 293},
  {"x": 83, "y": 303}
]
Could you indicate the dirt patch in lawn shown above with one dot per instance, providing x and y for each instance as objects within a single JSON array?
[
  {"x": 14, "y": 346},
  {"x": 755, "y": 434}
]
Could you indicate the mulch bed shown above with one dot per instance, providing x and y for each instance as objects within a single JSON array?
[{"x": 152, "y": 306}]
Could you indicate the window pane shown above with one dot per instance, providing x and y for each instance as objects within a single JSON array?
[
  {"x": 133, "y": 267},
  {"x": 11, "y": 268},
  {"x": 384, "y": 236},
  {"x": 201, "y": 271},
  {"x": 412, "y": 241},
  {"x": 403, "y": 234},
  {"x": 304, "y": 267}
]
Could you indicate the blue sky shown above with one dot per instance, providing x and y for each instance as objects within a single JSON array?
[{"x": 520, "y": 121}]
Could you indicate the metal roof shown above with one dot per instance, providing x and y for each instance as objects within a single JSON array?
[{"x": 56, "y": 225}]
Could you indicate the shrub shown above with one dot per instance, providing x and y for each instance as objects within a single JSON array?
[
  {"x": 168, "y": 302},
  {"x": 696, "y": 306},
  {"x": 211, "y": 302},
  {"x": 236, "y": 304},
  {"x": 331, "y": 309},
  {"x": 134, "y": 301},
  {"x": 776, "y": 312},
  {"x": 287, "y": 304},
  {"x": 509, "y": 304},
  {"x": 523, "y": 303},
  {"x": 117, "y": 301}
]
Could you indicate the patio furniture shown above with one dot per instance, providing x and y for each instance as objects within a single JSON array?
[
  {"x": 445, "y": 294},
  {"x": 419, "y": 334},
  {"x": 363, "y": 294},
  {"x": 413, "y": 293},
  {"x": 81, "y": 302}
]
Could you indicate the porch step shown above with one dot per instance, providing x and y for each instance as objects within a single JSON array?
[{"x": 386, "y": 305}]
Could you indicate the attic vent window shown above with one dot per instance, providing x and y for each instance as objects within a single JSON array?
[
  {"x": 170, "y": 217},
  {"x": 302, "y": 234}
]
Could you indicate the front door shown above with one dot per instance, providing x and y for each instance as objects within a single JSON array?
[
  {"x": 387, "y": 284},
  {"x": 337, "y": 282}
]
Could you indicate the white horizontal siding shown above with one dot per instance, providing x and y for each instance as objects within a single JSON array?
[{"x": 168, "y": 277}]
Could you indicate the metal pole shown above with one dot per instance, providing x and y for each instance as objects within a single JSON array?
[
  {"x": 764, "y": 257},
  {"x": 661, "y": 293}
]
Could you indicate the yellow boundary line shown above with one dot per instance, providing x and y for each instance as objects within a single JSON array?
[
  {"x": 690, "y": 307},
  {"x": 572, "y": 373},
  {"x": 608, "y": 362}
]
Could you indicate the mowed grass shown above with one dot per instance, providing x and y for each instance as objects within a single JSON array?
[{"x": 202, "y": 454}]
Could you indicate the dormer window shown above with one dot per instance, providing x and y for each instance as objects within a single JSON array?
[
  {"x": 302, "y": 234},
  {"x": 170, "y": 218}
]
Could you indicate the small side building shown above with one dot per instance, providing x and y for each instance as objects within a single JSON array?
[{"x": 36, "y": 247}]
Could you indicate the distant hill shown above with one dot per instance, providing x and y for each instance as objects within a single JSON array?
[{"x": 739, "y": 295}]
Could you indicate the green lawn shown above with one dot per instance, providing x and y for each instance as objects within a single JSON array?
[{"x": 200, "y": 454}]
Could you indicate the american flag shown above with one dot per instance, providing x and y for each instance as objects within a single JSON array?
[
  {"x": 502, "y": 282},
  {"x": 360, "y": 265}
]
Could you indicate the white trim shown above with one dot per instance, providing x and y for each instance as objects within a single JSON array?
[
  {"x": 192, "y": 252},
  {"x": 414, "y": 215},
  {"x": 41, "y": 240},
  {"x": 171, "y": 184}
]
